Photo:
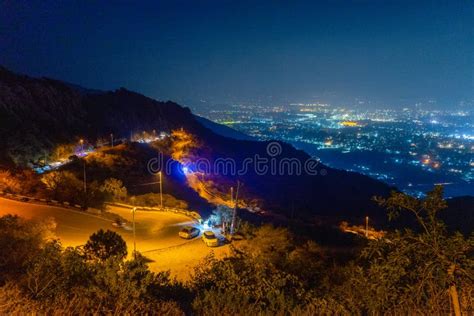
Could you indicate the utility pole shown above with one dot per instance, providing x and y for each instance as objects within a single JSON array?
[
  {"x": 231, "y": 203},
  {"x": 161, "y": 190},
  {"x": 234, "y": 215},
  {"x": 134, "y": 242}
]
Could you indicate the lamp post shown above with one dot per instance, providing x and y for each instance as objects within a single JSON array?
[
  {"x": 367, "y": 226},
  {"x": 161, "y": 190},
  {"x": 234, "y": 214},
  {"x": 134, "y": 242},
  {"x": 85, "y": 182}
]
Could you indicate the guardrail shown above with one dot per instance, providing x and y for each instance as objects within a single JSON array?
[
  {"x": 193, "y": 214},
  {"x": 24, "y": 198}
]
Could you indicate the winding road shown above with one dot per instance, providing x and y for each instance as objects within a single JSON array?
[{"x": 156, "y": 233}]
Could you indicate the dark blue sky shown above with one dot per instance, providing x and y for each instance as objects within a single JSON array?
[{"x": 238, "y": 50}]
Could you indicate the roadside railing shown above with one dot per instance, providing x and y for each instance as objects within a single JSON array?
[
  {"x": 23, "y": 198},
  {"x": 192, "y": 214}
]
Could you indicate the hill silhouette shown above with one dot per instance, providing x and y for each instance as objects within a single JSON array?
[{"x": 37, "y": 114}]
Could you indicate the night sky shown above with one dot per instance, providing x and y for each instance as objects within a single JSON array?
[{"x": 226, "y": 51}]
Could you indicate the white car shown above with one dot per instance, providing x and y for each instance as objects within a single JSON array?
[
  {"x": 188, "y": 232},
  {"x": 210, "y": 239}
]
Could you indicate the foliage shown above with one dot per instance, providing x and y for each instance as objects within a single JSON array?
[
  {"x": 154, "y": 200},
  {"x": 114, "y": 189},
  {"x": 20, "y": 241},
  {"x": 64, "y": 186},
  {"x": 268, "y": 244},
  {"x": 221, "y": 214},
  {"x": 9, "y": 183},
  {"x": 62, "y": 152},
  {"x": 183, "y": 145},
  {"x": 415, "y": 270},
  {"x": 239, "y": 282},
  {"x": 44, "y": 273},
  {"x": 53, "y": 280},
  {"x": 103, "y": 245},
  {"x": 270, "y": 272},
  {"x": 264, "y": 275},
  {"x": 109, "y": 159}
]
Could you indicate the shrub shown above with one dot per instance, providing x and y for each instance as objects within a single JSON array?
[{"x": 103, "y": 245}]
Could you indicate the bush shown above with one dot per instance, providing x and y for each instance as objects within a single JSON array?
[
  {"x": 103, "y": 245},
  {"x": 154, "y": 200},
  {"x": 114, "y": 189},
  {"x": 20, "y": 242}
]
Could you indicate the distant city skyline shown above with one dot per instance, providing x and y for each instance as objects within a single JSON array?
[{"x": 392, "y": 53}]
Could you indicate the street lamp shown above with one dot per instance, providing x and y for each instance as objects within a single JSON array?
[
  {"x": 234, "y": 214},
  {"x": 112, "y": 140},
  {"x": 85, "y": 183},
  {"x": 161, "y": 190},
  {"x": 366, "y": 226},
  {"x": 134, "y": 242},
  {"x": 81, "y": 141}
]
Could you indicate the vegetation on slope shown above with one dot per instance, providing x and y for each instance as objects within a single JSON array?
[{"x": 271, "y": 272}]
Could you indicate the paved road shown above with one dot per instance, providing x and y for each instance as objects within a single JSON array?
[
  {"x": 157, "y": 233},
  {"x": 73, "y": 227},
  {"x": 153, "y": 229}
]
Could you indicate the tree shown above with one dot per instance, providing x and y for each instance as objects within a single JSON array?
[
  {"x": 64, "y": 185},
  {"x": 268, "y": 244},
  {"x": 8, "y": 182},
  {"x": 44, "y": 274},
  {"x": 103, "y": 245},
  {"x": 154, "y": 199},
  {"x": 62, "y": 152},
  {"x": 242, "y": 285},
  {"x": 115, "y": 189},
  {"x": 222, "y": 214},
  {"x": 52, "y": 181},
  {"x": 423, "y": 270},
  {"x": 20, "y": 241}
]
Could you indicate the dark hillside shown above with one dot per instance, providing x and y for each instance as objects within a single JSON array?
[{"x": 38, "y": 114}]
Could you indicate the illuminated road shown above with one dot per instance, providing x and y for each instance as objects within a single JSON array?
[
  {"x": 159, "y": 242},
  {"x": 73, "y": 227},
  {"x": 156, "y": 233}
]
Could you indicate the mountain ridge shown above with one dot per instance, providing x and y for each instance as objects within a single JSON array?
[{"x": 58, "y": 113}]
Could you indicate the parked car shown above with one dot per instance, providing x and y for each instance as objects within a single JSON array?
[
  {"x": 188, "y": 232},
  {"x": 210, "y": 239}
]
